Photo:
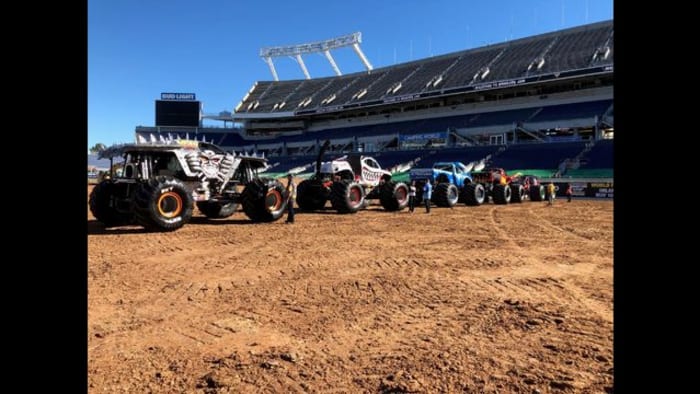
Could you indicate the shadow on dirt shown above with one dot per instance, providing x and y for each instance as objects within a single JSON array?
[
  {"x": 319, "y": 212},
  {"x": 97, "y": 228},
  {"x": 204, "y": 220},
  {"x": 331, "y": 211}
]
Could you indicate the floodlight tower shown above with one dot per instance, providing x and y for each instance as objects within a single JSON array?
[{"x": 325, "y": 47}]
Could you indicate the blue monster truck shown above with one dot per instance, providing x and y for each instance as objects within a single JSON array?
[{"x": 449, "y": 179}]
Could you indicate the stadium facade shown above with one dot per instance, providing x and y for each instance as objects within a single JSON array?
[{"x": 542, "y": 103}]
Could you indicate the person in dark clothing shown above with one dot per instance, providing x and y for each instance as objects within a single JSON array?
[
  {"x": 569, "y": 192},
  {"x": 291, "y": 197},
  {"x": 427, "y": 194},
  {"x": 412, "y": 196}
]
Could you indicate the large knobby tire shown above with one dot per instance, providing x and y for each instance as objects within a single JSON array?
[
  {"x": 347, "y": 197},
  {"x": 501, "y": 194},
  {"x": 163, "y": 204},
  {"x": 311, "y": 195},
  {"x": 517, "y": 193},
  {"x": 217, "y": 210},
  {"x": 537, "y": 193},
  {"x": 394, "y": 196},
  {"x": 474, "y": 194},
  {"x": 445, "y": 195},
  {"x": 101, "y": 208},
  {"x": 264, "y": 200},
  {"x": 365, "y": 203}
]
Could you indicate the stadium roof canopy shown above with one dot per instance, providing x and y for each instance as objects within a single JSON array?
[{"x": 578, "y": 51}]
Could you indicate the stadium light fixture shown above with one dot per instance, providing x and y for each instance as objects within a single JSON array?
[{"x": 296, "y": 51}]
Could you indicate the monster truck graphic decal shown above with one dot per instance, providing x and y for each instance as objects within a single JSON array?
[
  {"x": 210, "y": 163},
  {"x": 371, "y": 175}
]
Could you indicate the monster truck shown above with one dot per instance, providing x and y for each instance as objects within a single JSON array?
[
  {"x": 161, "y": 181},
  {"x": 497, "y": 185},
  {"x": 452, "y": 179},
  {"x": 534, "y": 189},
  {"x": 349, "y": 182}
]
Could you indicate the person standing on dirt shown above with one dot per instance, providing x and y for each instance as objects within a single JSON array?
[
  {"x": 550, "y": 193},
  {"x": 291, "y": 197},
  {"x": 427, "y": 194},
  {"x": 412, "y": 196},
  {"x": 569, "y": 192}
]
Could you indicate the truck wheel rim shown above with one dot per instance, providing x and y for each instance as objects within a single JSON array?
[
  {"x": 169, "y": 204},
  {"x": 355, "y": 196},
  {"x": 401, "y": 194},
  {"x": 273, "y": 200}
]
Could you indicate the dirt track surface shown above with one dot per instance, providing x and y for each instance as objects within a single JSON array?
[{"x": 513, "y": 298}]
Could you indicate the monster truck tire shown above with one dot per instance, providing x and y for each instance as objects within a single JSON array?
[
  {"x": 347, "y": 197},
  {"x": 501, "y": 194},
  {"x": 163, "y": 204},
  {"x": 217, "y": 210},
  {"x": 365, "y": 203},
  {"x": 474, "y": 194},
  {"x": 394, "y": 196},
  {"x": 264, "y": 200},
  {"x": 517, "y": 193},
  {"x": 100, "y": 208},
  {"x": 310, "y": 195},
  {"x": 461, "y": 199},
  {"x": 446, "y": 195},
  {"x": 537, "y": 193}
]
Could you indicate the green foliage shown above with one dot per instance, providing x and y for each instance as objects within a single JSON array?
[{"x": 98, "y": 148}]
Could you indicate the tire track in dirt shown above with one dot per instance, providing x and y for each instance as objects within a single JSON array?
[
  {"x": 169, "y": 286},
  {"x": 542, "y": 282},
  {"x": 546, "y": 223},
  {"x": 426, "y": 303},
  {"x": 322, "y": 288},
  {"x": 187, "y": 239},
  {"x": 571, "y": 216},
  {"x": 572, "y": 292},
  {"x": 496, "y": 223},
  {"x": 378, "y": 303}
]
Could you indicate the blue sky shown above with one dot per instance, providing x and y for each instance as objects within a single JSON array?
[{"x": 138, "y": 49}]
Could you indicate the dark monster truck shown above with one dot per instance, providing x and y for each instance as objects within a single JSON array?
[{"x": 161, "y": 181}]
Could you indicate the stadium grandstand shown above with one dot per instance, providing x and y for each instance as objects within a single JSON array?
[{"x": 540, "y": 104}]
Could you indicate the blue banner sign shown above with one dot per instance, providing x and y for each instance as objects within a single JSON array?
[
  {"x": 425, "y": 136},
  {"x": 177, "y": 96}
]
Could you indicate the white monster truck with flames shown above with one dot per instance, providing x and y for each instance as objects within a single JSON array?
[
  {"x": 161, "y": 181},
  {"x": 453, "y": 183},
  {"x": 349, "y": 183}
]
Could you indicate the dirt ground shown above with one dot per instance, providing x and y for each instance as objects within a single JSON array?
[{"x": 505, "y": 299}]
